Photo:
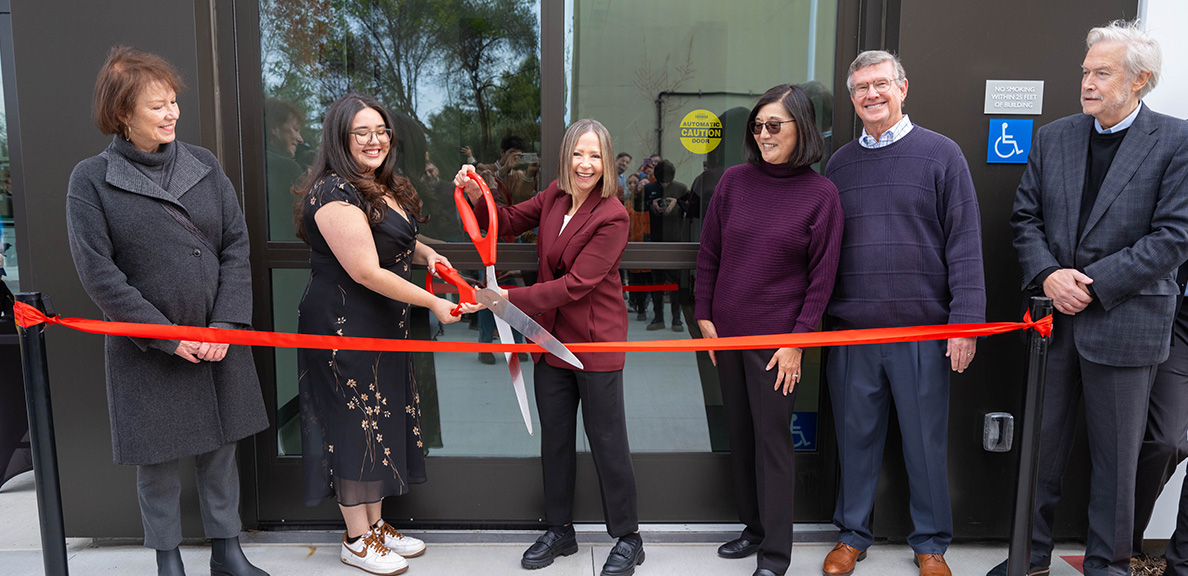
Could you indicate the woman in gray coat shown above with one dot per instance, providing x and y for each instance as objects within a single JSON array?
[{"x": 158, "y": 238}]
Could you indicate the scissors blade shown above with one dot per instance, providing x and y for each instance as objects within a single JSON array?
[
  {"x": 514, "y": 317},
  {"x": 513, "y": 365}
]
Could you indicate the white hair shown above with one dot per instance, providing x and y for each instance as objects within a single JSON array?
[
  {"x": 1142, "y": 51},
  {"x": 874, "y": 58}
]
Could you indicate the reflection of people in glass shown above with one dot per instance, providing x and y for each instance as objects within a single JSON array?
[
  {"x": 443, "y": 223},
  {"x": 515, "y": 180},
  {"x": 168, "y": 399},
  {"x": 360, "y": 410},
  {"x": 583, "y": 232},
  {"x": 282, "y": 136},
  {"x": 641, "y": 228},
  {"x": 769, "y": 252},
  {"x": 665, "y": 200}
]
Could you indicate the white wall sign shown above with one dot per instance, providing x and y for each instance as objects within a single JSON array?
[{"x": 1014, "y": 97}]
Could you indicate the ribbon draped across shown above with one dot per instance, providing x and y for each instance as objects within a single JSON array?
[{"x": 28, "y": 316}]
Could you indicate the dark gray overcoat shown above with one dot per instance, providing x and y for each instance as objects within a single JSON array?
[{"x": 139, "y": 264}]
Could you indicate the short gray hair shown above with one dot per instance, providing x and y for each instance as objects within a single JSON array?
[
  {"x": 1142, "y": 51},
  {"x": 874, "y": 58}
]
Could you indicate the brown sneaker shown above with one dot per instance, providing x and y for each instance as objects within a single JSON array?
[
  {"x": 840, "y": 561},
  {"x": 932, "y": 565}
]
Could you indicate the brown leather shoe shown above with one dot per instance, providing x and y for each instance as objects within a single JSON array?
[
  {"x": 841, "y": 560},
  {"x": 932, "y": 565}
]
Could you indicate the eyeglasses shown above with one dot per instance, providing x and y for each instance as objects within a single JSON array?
[
  {"x": 363, "y": 137},
  {"x": 773, "y": 126},
  {"x": 880, "y": 86}
]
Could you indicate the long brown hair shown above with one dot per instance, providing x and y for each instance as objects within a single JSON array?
[{"x": 334, "y": 156}]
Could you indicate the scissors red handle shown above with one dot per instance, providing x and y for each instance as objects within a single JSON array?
[
  {"x": 465, "y": 291},
  {"x": 484, "y": 244}
]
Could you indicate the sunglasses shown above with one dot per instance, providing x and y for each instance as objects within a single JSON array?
[{"x": 773, "y": 126}]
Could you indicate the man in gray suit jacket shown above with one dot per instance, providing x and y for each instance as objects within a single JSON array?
[{"x": 1101, "y": 223}]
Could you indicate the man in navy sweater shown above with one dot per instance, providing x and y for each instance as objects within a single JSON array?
[
  {"x": 911, "y": 255},
  {"x": 1101, "y": 224}
]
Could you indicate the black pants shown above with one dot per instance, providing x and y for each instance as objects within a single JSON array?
[
  {"x": 1116, "y": 415},
  {"x": 762, "y": 455},
  {"x": 665, "y": 277},
  {"x": 1165, "y": 443},
  {"x": 558, "y": 393}
]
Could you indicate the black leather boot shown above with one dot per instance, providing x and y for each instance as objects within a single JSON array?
[
  {"x": 169, "y": 563},
  {"x": 227, "y": 559}
]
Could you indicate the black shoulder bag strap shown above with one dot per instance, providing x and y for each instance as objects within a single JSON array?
[{"x": 188, "y": 225}]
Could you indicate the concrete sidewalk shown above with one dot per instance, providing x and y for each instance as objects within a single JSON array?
[{"x": 671, "y": 551}]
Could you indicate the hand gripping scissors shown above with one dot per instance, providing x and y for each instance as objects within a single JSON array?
[{"x": 507, "y": 315}]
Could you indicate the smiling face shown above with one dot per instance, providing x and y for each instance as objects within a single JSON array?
[
  {"x": 288, "y": 136},
  {"x": 586, "y": 163},
  {"x": 370, "y": 155},
  {"x": 154, "y": 118},
  {"x": 879, "y": 112},
  {"x": 776, "y": 148},
  {"x": 1108, "y": 93},
  {"x": 622, "y": 163}
]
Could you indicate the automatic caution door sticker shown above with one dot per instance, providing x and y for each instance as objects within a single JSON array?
[{"x": 701, "y": 131}]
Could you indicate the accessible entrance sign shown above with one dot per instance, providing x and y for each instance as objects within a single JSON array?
[{"x": 1009, "y": 141}]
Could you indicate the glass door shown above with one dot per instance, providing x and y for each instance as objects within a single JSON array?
[{"x": 465, "y": 78}]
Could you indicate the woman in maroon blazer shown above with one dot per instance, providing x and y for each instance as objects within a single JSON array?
[{"x": 578, "y": 298}]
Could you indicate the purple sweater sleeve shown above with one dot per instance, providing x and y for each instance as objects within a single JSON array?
[
  {"x": 825, "y": 237},
  {"x": 963, "y": 243}
]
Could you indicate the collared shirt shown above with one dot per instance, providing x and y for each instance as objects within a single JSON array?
[
  {"x": 1124, "y": 124},
  {"x": 891, "y": 136}
]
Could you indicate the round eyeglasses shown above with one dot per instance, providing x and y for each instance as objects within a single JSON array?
[
  {"x": 363, "y": 137},
  {"x": 880, "y": 86}
]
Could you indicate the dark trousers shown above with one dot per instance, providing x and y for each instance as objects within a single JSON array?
[
  {"x": 1116, "y": 415},
  {"x": 863, "y": 382},
  {"x": 1177, "y": 546},
  {"x": 558, "y": 393},
  {"x": 1165, "y": 443},
  {"x": 158, "y": 488},
  {"x": 762, "y": 454},
  {"x": 665, "y": 277}
]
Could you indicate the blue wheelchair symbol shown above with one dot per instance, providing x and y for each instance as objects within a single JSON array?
[
  {"x": 1009, "y": 141},
  {"x": 804, "y": 430}
]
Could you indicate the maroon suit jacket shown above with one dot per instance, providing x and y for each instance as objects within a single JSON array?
[{"x": 578, "y": 296}]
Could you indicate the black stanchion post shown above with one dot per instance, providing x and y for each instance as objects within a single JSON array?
[
  {"x": 1021, "y": 524},
  {"x": 41, "y": 434}
]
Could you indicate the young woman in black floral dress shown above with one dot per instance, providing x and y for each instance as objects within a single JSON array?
[{"x": 360, "y": 427}]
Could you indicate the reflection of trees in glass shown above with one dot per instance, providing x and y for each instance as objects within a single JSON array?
[
  {"x": 489, "y": 34},
  {"x": 477, "y": 57}
]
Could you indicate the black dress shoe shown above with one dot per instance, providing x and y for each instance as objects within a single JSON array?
[
  {"x": 556, "y": 542},
  {"x": 764, "y": 572},
  {"x": 624, "y": 557},
  {"x": 1032, "y": 570},
  {"x": 738, "y": 548},
  {"x": 169, "y": 563},
  {"x": 227, "y": 559}
]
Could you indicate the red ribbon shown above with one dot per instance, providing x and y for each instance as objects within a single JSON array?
[
  {"x": 27, "y": 316},
  {"x": 650, "y": 288},
  {"x": 443, "y": 288}
]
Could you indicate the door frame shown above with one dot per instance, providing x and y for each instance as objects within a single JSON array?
[{"x": 484, "y": 491}]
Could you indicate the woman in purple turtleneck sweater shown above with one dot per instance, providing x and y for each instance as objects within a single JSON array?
[{"x": 769, "y": 252}]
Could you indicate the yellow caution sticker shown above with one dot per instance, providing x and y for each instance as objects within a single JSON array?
[{"x": 701, "y": 131}]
